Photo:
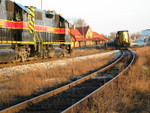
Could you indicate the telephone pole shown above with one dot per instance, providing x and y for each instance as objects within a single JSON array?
[{"x": 41, "y": 5}]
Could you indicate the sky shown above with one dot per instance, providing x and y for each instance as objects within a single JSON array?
[{"x": 103, "y": 16}]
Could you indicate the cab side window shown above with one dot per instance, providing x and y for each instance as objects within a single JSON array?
[
  {"x": 50, "y": 16},
  {"x": 18, "y": 16},
  {"x": 25, "y": 16}
]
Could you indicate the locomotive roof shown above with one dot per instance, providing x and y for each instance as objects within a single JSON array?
[
  {"x": 123, "y": 31},
  {"x": 49, "y": 11},
  {"x": 23, "y": 7}
]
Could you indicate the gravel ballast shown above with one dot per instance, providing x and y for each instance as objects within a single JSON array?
[{"x": 21, "y": 69}]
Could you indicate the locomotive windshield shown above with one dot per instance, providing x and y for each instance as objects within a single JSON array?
[{"x": 125, "y": 35}]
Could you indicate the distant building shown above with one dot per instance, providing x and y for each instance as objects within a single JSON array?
[
  {"x": 98, "y": 38},
  {"x": 76, "y": 38},
  {"x": 87, "y": 33},
  {"x": 84, "y": 36},
  {"x": 145, "y": 33},
  {"x": 145, "y": 36}
]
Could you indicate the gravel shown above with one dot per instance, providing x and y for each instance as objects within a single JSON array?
[{"x": 22, "y": 69}]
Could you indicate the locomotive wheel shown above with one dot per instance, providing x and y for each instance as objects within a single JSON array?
[
  {"x": 18, "y": 58},
  {"x": 51, "y": 53},
  {"x": 45, "y": 53},
  {"x": 65, "y": 52},
  {"x": 21, "y": 57},
  {"x": 22, "y": 54}
]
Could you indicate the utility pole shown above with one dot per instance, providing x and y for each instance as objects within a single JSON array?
[
  {"x": 83, "y": 35},
  {"x": 41, "y": 5}
]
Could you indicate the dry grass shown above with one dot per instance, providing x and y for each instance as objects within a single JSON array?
[
  {"x": 77, "y": 52},
  {"x": 136, "y": 93},
  {"x": 130, "y": 93},
  {"x": 23, "y": 86}
]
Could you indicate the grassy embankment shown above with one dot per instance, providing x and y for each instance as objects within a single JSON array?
[
  {"x": 129, "y": 94},
  {"x": 12, "y": 87}
]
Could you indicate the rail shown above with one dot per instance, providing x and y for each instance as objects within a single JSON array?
[
  {"x": 56, "y": 91},
  {"x": 68, "y": 110}
]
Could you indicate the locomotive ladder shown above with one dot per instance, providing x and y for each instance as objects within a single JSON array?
[
  {"x": 39, "y": 37},
  {"x": 32, "y": 30}
]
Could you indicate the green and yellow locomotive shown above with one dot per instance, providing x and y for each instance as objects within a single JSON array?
[
  {"x": 122, "y": 40},
  {"x": 28, "y": 32}
]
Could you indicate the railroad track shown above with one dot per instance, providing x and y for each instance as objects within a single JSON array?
[
  {"x": 67, "y": 97},
  {"x": 36, "y": 60},
  {"x": 47, "y": 64},
  {"x": 106, "y": 79},
  {"x": 30, "y": 61}
]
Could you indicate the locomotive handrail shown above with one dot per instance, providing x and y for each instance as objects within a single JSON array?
[
  {"x": 41, "y": 39},
  {"x": 39, "y": 48}
]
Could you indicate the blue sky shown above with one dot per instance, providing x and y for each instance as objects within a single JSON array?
[{"x": 104, "y": 16}]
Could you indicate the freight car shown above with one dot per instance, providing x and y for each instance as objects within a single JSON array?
[
  {"x": 29, "y": 32},
  {"x": 122, "y": 40}
]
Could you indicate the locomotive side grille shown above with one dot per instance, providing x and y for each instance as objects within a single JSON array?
[{"x": 10, "y": 6}]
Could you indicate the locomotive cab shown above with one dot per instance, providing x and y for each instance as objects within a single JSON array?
[
  {"x": 22, "y": 18},
  {"x": 67, "y": 37}
]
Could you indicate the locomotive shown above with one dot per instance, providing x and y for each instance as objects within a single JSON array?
[
  {"x": 26, "y": 31},
  {"x": 122, "y": 39}
]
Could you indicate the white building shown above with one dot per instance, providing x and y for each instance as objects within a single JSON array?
[
  {"x": 145, "y": 32},
  {"x": 144, "y": 37}
]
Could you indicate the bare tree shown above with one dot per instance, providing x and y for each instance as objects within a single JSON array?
[
  {"x": 112, "y": 36},
  {"x": 135, "y": 35},
  {"x": 79, "y": 22}
]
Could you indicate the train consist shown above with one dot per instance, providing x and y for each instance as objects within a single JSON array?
[
  {"x": 122, "y": 39},
  {"x": 29, "y": 32}
]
